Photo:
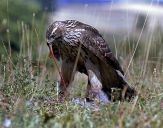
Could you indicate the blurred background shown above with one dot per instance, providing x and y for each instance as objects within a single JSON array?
[
  {"x": 133, "y": 29},
  {"x": 29, "y": 80}
]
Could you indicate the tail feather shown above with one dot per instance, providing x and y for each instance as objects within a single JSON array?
[{"x": 128, "y": 91}]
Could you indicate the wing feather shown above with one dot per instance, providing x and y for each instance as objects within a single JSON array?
[
  {"x": 99, "y": 47},
  {"x": 91, "y": 39}
]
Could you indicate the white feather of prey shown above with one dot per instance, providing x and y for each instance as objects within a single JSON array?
[{"x": 96, "y": 84}]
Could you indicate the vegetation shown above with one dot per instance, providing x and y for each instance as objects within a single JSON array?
[
  {"x": 16, "y": 18},
  {"x": 28, "y": 97},
  {"x": 29, "y": 89}
]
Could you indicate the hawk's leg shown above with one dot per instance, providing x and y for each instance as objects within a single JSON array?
[
  {"x": 66, "y": 70},
  {"x": 94, "y": 88}
]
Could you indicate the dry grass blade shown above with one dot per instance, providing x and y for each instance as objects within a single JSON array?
[
  {"x": 75, "y": 64},
  {"x": 134, "y": 104},
  {"x": 55, "y": 62},
  {"x": 138, "y": 40}
]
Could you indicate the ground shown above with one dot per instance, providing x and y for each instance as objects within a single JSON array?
[{"x": 28, "y": 98}]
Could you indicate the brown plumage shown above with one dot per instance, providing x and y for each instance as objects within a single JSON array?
[{"x": 95, "y": 55}]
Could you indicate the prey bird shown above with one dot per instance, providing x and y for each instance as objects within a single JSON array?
[{"x": 72, "y": 40}]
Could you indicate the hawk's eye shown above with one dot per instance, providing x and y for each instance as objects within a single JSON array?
[{"x": 52, "y": 36}]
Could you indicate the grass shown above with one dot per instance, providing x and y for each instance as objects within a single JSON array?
[
  {"x": 28, "y": 96},
  {"x": 28, "y": 90}
]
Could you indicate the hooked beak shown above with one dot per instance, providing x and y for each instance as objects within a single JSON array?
[
  {"x": 50, "y": 41},
  {"x": 50, "y": 50}
]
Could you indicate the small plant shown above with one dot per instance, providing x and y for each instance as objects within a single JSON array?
[{"x": 29, "y": 82}]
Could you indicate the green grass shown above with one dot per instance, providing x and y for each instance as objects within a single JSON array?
[
  {"x": 28, "y": 95},
  {"x": 23, "y": 22},
  {"x": 28, "y": 87}
]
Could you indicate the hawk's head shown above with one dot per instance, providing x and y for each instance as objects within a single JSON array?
[{"x": 54, "y": 32}]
